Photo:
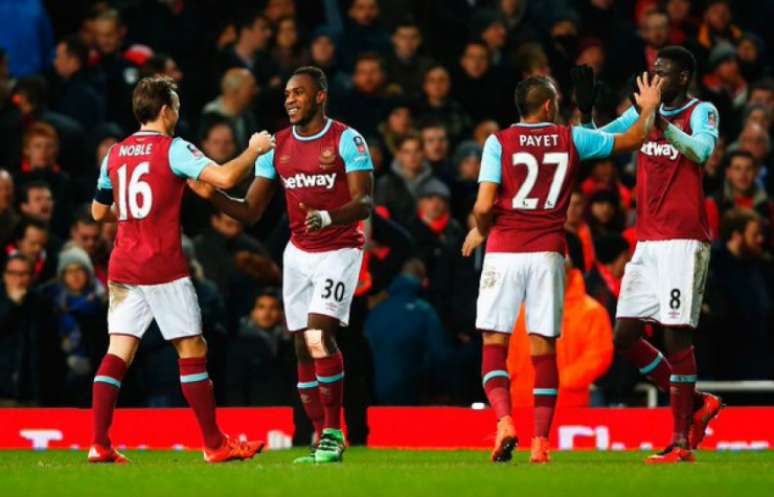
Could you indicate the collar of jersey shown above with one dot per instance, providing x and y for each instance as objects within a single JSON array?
[
  {"x": 325, "y": 129},
  {"x": 532, "y": 125},
  {"x": 144, "y": 133},
  {"x": 674, "y": 112}
]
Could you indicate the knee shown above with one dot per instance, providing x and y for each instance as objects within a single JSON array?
[
  {"x": 124, "y": 347},
  {"x": 497, "y": 339},
  {"x": 192, "y": 347},
  {"x": 316, "y": 343}
]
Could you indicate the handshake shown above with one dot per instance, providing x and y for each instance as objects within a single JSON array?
[{"x": 261, "y": 142}]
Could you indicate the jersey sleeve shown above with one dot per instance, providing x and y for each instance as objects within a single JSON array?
[
  {"x": 697, "y": 146},
  {"x": 104, "y": 193},
  {"x": 186, "y": 160},
  {"x": 619, "y": 125},
  {"x": 354, "y": 151},
  {"x": 592, "y": 143},
  {"x": 264, "y": 165},
  {"x": 705, "y": 120},
  {"x": 491, "y": 163}
]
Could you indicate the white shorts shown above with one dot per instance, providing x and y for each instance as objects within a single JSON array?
[
  {"x": 174, "y": 306},
  {"x": 510, "y": 279},
  {"x": 319, "y": 283},
  {"x": 664, "y": 282}
]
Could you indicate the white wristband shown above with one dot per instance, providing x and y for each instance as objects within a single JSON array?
[{"x": 325, "y": 217}]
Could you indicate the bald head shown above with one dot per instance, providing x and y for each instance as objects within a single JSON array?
[{"x": 238, "y": 88}]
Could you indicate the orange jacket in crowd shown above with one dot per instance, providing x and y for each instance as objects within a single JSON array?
[{"x": 583, "y": 353}]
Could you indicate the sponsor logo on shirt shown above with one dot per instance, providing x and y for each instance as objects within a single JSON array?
[
  {"x": 301, "y": 180},
  {"x": 327, "y": 158},
  {"x": 712, "y": 119},
  {"x": 655, "y": 149}
]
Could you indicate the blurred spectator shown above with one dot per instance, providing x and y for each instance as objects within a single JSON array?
[
  {"x": 398, "y": 124},
  {"x": 238, "y": 89},
  {"x": 30, "y": 97},
  {"x": 72, "y": 92},
  {"x": 405, "y": 66},
  {"x": 31, "y": 361},
  {"x": 514, "y": 14},
  {"x": 223, "y": 251},
  {"x": 725, "y": 82},
  {"x": 577, "y": 225},
  {"x": 251, "y": 49},
  {"x": 464, "y": 178},
  {"x": 717, "y": 26},
  {"x": 8, "y": 215},
  {"x": 483, "y": 129},
  {"x": 322, "y": 53},
  {"x": 30, "y": 240},
  {"x": 80, "y": 303},
  {"x": 288, "y": 51},
  {"x": 488, "y": 26},
  {"x": 6, "y": 82},
  {"x": 741, "y": 188},
  {"x": 161, "y": 63},
  {"x": 435, "y": 146},
  {"x": 85, "y": 235},
  {"x": 40, "y": 151},
  {"x": 739, "y": 302},
  {"x": 478, "y": 88},
  {"x": 436, "y": 104},
  {"x": 655, "y": 33},
  {"x": 762, "y": 92},
  {"x": 438, "y": 238},
  {"x": 25, "y": 31},
  {"x": 604, "y": 212},
  {"x": 584, "y": 351},
  {"x": 749, "y": 53},
  {"x": 362, "y": 33},
  {"x": 397, "y": 189},
  {"x": 36, "y": 202},
  {"x": 366, "y": 104},
  {"x": 603, "y": 280},
  {"x": 117, "y": 73},
  {"x": 258, "y": 355},
  {"x": 713, "y": 169},
  {"x": 683, "y": 26},
  {"x": 411, "y": 354},
  {"x": 219, "y": 141},
  {"x": 604, "y": 176}
]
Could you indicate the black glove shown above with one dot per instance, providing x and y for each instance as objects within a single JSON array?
[{"x": 586, "y": 89}]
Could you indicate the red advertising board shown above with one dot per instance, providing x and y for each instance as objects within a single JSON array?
[{"x": 737, "y": 428}]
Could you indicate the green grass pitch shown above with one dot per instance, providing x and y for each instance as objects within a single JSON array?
[{"x": 373, "y": 473}]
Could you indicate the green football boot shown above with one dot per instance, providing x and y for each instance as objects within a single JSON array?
[
  {"x": 307, "y": 459},
  {"x": 331, "y": 447}
]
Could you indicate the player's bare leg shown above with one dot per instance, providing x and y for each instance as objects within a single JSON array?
[
  {"x": 545, "y": 391},
  {"x": 497, "y": 385},
  {"x": 198, "y": 391},
  {"x": 320, "y": 339},
  {"x": 309, "y": 392},
  {"x": 107, "y": 384}
]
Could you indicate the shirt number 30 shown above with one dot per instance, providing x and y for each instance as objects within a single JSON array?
[{"x": 522, "y": 200}]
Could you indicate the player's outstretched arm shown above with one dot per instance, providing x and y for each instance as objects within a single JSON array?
[
  {"x": 247, "y": 210},
  {"x": 229, "y": 174},
  {"x": 102, "y": 212},
  {"x": 648, "y": 99},
  {"x": 361, "y": 188}
]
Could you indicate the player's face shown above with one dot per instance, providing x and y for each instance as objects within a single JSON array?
[
  {"x": 675, "y": 80},
  {"x": 741, "y": 174},
  {"x": 302, "y": 100}
]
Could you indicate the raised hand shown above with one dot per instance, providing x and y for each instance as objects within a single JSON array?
[
  {"x": 648, "y": 94},
  {"x": 586, "y": 89},
  {"x": 262, "y": 142},
  {"x": 315, "y": 220}
]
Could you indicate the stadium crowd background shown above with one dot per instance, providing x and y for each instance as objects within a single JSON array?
[{"x": 425, "y": 81}]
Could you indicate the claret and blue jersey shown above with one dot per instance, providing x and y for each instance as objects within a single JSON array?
[{"x": 313, "y": 171}]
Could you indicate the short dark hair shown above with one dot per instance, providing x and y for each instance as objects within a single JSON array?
[
  {"x": 532, "y": 92},
  {"x": 35, "y": 89},
  {"x": 316, "y": 74},
  {"x": 24, "y": 190},
  {"x": 736, "y": 221},
  {"x": 609, "y": 247},
  {"x": 17, "y": 257},
  {"x": 83, "y": 216},
  {"x": 21, "y": 229},
  {"x": 370, "y": 56},
  {"x": 155, "y": 65},
  {"x": 248, "y": 18},
  {"x": 407, "y": 137},
  {"x": 150, "y": 95},
  {"x": 730, "y": 156},
  {"x": 77, "y": 48},
  {"x": 766, "y": 84},
  {"x": 212, "y": 121},
  {"x": 406, "y": 22},
  {"x": 681, "y": 56}
]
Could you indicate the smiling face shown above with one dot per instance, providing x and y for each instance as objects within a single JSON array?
[{"x": 303, "y": 100}]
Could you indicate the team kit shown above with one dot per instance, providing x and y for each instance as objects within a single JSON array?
[{"x": 528, "y": 172}]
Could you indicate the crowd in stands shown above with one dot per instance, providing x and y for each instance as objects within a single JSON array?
[{"x": 426, "y": 82}]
